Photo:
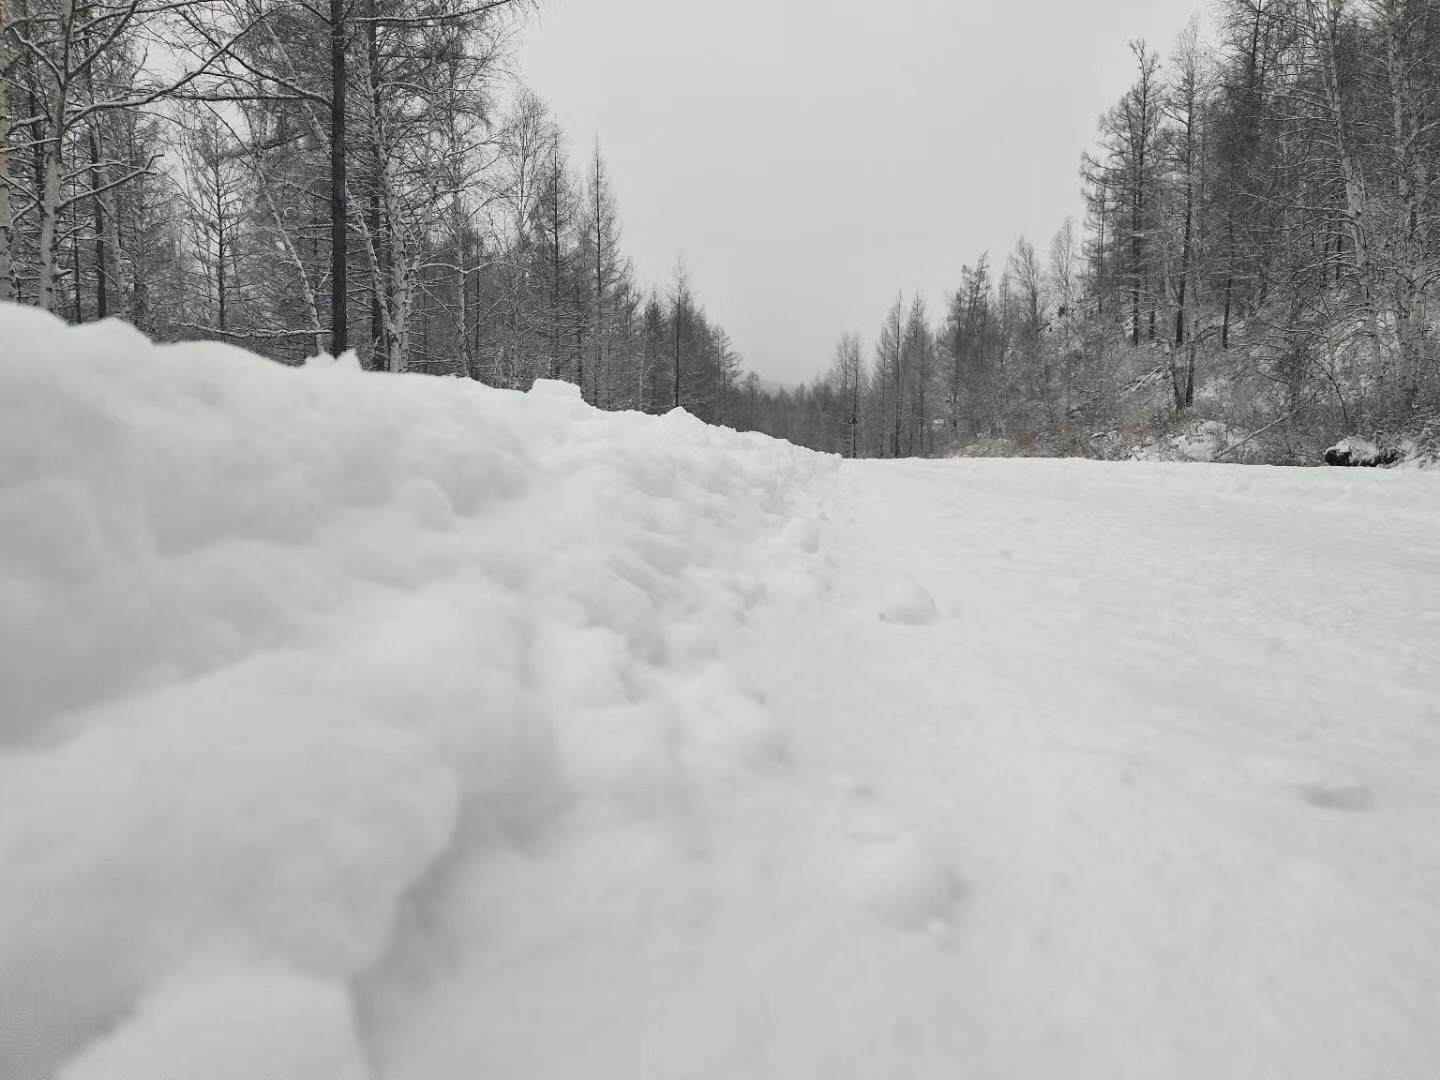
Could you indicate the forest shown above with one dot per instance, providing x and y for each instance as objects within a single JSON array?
[
  {"x": 299, "y": 179},
  {"x": 1257, "y": 258},
  {"x": 1256, "y": 268}
]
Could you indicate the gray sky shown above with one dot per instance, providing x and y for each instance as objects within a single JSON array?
[{"x": 812, "y": 158}]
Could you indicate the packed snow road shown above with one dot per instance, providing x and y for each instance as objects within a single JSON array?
[
  {"x": 1157, "y": 778},
  {"x": 397, "y": 729}
]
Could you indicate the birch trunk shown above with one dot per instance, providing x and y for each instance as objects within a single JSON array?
[
  {"x": 54, "y": 148},
  {"x": 9, "y": 58},
  {"x": 1357, "y": 198},
  {"x": 7, "y": 211},
  {"x": 402, "y": 292}
]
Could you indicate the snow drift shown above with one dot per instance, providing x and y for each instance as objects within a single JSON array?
[
  {"x": 278, "y": 643},
  {"x": 393, "y": 728}
]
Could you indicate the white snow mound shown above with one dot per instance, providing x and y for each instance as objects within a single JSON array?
[
  {"x": 908, "y": 602},
  {"x": 279, "y": 644}
]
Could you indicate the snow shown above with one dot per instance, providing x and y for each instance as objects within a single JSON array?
[
  {"x": 1353, "y": 450},
  {"x": 1360, "y": 451},
  {"x": 233, "y": 1027},
  {"x": 396, "y": 728},
  {"x": 1200, "y": 440},
  {"x": 909, "y": 602}
]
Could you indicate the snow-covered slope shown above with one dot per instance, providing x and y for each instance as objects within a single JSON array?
[{"x": 397, "y": 728}]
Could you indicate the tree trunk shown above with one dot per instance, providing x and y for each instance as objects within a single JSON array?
[
  {"x": 1135, "y": 254},
  {"x": 854, "y": 411},
  {"x": 76, "y": 300},
  {"x": 599, "y": 279},
  {"x": 378, "y": 339},
  {"x": 462, "y": 292},
  {"x": 338, "y": 206},
  {"x": 7, "y": 211},
  {"x": 401, "y": 293},
  {"x": 102, "y": 290},
  {"x": 54, "y": 147},
  {"x": 49, "y": 210},
  {"x": 1357, "y": 198},
  {"x": 1185, "y": 257},
  {"x": 220, "y": 252},
  {"x": 1403, "y": 57}
]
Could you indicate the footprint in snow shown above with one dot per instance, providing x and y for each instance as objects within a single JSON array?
[{"x": 1353, "y": 798}]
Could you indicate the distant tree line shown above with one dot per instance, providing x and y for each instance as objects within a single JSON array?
[
  {"x": 305, "y": 177},
  {"x": 1260, "y": 248},
  {"x": 1260, "y": 243}
]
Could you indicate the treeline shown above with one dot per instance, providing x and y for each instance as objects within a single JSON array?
[
  {"x": 1260, "y": 249},
  {"x": 298, "y": 178}
]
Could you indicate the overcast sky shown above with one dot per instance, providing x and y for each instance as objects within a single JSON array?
[{"x": 812, "y": 158}]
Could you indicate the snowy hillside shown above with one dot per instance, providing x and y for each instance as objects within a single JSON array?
[{"x": 396, "y": 728}]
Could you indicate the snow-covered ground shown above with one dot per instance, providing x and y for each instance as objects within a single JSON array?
[{"x": 377, "y": 728}]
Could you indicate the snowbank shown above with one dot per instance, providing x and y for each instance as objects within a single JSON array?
[
  {"x": 279, "y": 645},
  {"x": 362, "y": 727}
]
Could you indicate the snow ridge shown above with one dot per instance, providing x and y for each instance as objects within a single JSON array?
[{"x": 281, "y": 643}]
